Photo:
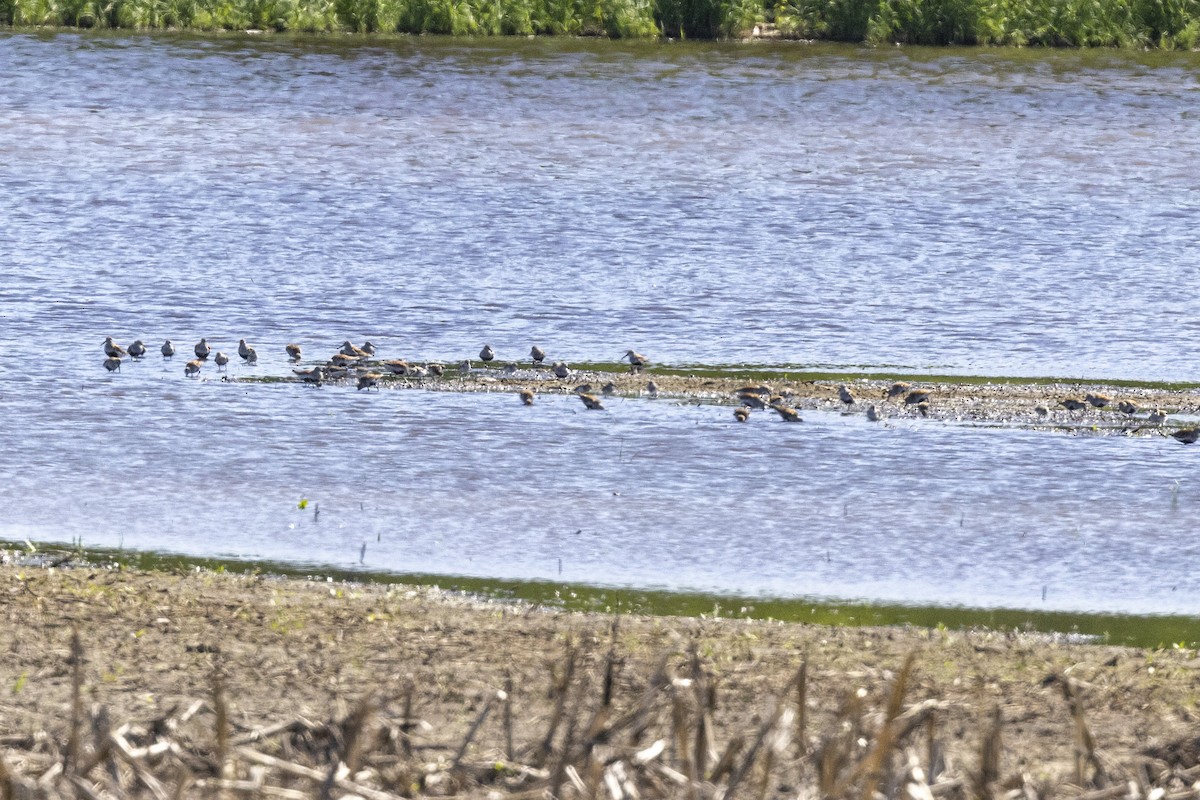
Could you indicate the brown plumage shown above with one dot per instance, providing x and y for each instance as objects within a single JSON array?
[
  {"x": 526, "y": 397},
  {"x": 369, "y": 380},
  {"x": 537, "y": 354},
  {"x": 636, "y": 360},
  {"x": 113, "y": 363},
  {"x": 191, "y": 368},
  {"x": 788, "y": 414},
  {"x": 348, "y": 349},
  {"x": 591, "y": 402},
  {"x": 293, "y": 351},
  {"x": 342, "y": 360},
  {"x": 898, "y": 388},
  {"x": 398, "y": 367},
  {"x": 1073, "y": 404},
  {"x": 916, "y": 396},
  {"x": 436, "y": 370},
  {"x": 741, "y": 413},
  {"x": 1187, "y": 436},
  {"x": 750, "y": 399},
  {"x": 315, "y": 375},
  {"x": 221, "y": 360},
  {"x": 1097, "y": 400}
]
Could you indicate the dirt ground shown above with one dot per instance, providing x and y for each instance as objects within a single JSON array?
[{"x": 294, "y": 658}]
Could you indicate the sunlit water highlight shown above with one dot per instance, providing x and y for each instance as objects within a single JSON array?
[{"x": 973, "y": 212}]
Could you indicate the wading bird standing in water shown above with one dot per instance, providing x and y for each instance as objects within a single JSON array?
[
  {"x": 112, "y": 349},
  {"x": 191, "y": 368},
  {"x": 591, "y": 402},
  {"x": 137, "y": 349},
  {"x": 538, "y": 355},
  {"x": 221, "y": 360},
  {"x": 487, "y": 353},
  {"x": 202, "y": 349},
  {"x": 113, "y": 363},
  {"x": 168, "y": 348},
  {"x": 293, "y": 351},
  {"x": 526, "y": 397}
]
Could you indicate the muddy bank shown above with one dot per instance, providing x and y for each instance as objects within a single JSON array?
[{"x": 402, "y": 683}]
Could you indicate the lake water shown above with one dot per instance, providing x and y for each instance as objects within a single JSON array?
[{"x": 977, "y": 212}]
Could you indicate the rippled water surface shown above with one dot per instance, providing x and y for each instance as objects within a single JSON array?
[{"x": 979, "y": 212}]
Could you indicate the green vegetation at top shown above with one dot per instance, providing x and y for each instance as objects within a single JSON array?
[
  {"x": 1166, "y": 24},
  {"x": 1151, "y": 631}
]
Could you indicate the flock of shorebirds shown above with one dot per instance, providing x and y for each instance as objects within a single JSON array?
[{"x": 361, "y": 362}]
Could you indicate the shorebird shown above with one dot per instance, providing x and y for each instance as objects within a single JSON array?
[
  {"x": 464, "y": 367},
  {"x": 609, "y": 388},
  {"x": 487, "y": 353},
  {"x": 342, "y": 360},
  {"x": 1128, "y": 408},
  {"x": 741, "y": 413},
  {"x": 916, "y": 397},
  {"x": 1073, "y": 404},
  {"x": 1157, "y": 417},
  {"x": 314, "y": 375},
  {"x": 537, "y": 354},
  {"x": 898, "y": 388},
  {"x": 137, "y": 349},
  {"x": 112, "y": 349},
  {"x": 369, "y": 380},
  {"x": 202, "y": 349},
  {"x": 762, "y": 389},
  {"x": 526, "y": 397},
  {"x": 113, "y": 363},
  {"x": 221, "y": 360},
  {"x": 636, "y": 360},
  {"x": 243, "y": 348},
  {"x": 398, "y": 367},
  {"x": 752, "y": 400},
  {"x": 510, "y": 368},
  {"x": 1097, "y": 400},
  {"x": 652, "y": 389},
  {"x": 191, "y": 368},
  {"x": 417, "y": 371},
  {"x": 436, "y": 370},
  {"x": 845, "y": 396},
  {"x": 873, "y": 413},
  {"x": 561, "y": 370},
  {"x": 348, "y": 349},
  {"x": 168, "y": 348},
  {"x": 923, "y": 407},
  {"x": 368, "y": 348},
  {"x": 1187, "y": 436},
  {"x": 591, "y": 402},
  {"x": 251, "y": 355},
  {"x": 293, "y": 351},
  {"x": 788, "y": 414},
  {"x": 1041, "y": 411}
]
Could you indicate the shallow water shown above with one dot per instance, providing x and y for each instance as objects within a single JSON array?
[{"x": 980, "y": 212}]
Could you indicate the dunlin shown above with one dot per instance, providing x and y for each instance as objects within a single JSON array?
[
  {"x": 916, "y": 396},
  {"x": 652, "y": 389},
  {"x": 348, "y": 349},
  {"x": 873, "y": 413},
  {"x": 398, "y": 367},
  {"x": 342, "y": 360},
  {"x": 293, "y": 351},
  {"x": 418, "y": 372},
  {"x": 752, "y": 400},
  {"x": 221, "y": 360},
  {"x": 1073, "y": 404},
  {"x": 510, "y": 368},
  {"x": 762, "y": 389},
  {"x": 464, "y": 367},
  {"x": 168, "y": 348},
  {"x": 487, "y": 353},
  {"x": 898, "y": 388},
  {"x": 741, "y": 413},
  {"x": 1097, "y": 400},
  {"x": 369, "y": 380},
  {"x": 191, "y": 368},
  {"x": 112, "y": 349},
  {"x": 202, "y": 349},
  {"x": 368, "y": 348},
  {"x": 113, "y": 363},
  {"x": 314, "y": 375},
  {"x": 537, "y": 354},
  {"x": 1041, "y": 411},
  {"x": 526, "y": 397},
  {"x": 243, "y": 348},
  {"x": 436, "y": 370},
  {"x": 137, "y": 349},
  {"x": 1157, "y": 417},
  {"x": 788, "y": 414},
  {"x": 561, "y": 370},
  {"x": 251, "y": 355},
  {"x": 1128, "y": 408},
  {"x": 845, "y": 396},
  {"x": 591, "y": 402},
  {"x": 636, "y": 360},
  {"x": 609, "y": 388},
  {"x": 1187, "y": 436}
]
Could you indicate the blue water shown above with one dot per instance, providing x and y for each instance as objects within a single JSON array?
[{"x": 980, "y": 212}]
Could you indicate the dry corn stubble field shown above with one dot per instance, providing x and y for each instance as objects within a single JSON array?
[{"x": 116, "y": 683}]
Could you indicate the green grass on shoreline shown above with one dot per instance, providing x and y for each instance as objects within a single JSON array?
[
  {"x": 1147, "y": 631},
  {"x": 1155, "y": 24}
]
